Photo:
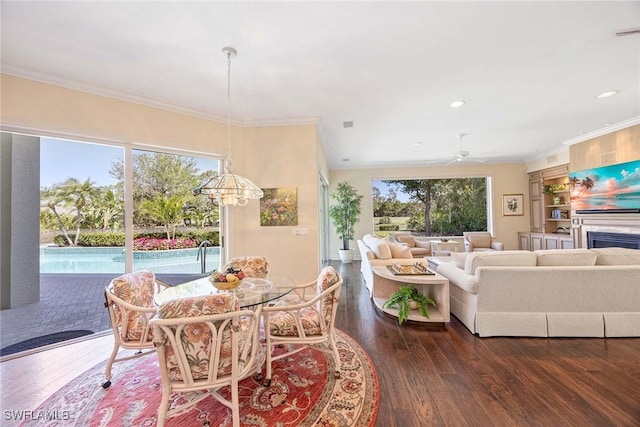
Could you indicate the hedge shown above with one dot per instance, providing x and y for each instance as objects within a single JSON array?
[
  {"x": 117, "y": 238},
  {"x": 389, "y": 227}
]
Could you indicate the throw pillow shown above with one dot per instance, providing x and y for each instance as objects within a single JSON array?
[
  {"x": 378, "y": 246},
  {"x": 409, "y": 240},
  {"x": 617, "y": 256},
  {"x": 459, "y": 258},
  {"x": 400, "y": 251},
  {"x": 499, "y": 258},
  {"x": 563, "y": 257}
]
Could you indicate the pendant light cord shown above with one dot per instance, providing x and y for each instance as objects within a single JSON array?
[{"x": 230, "y": 52}]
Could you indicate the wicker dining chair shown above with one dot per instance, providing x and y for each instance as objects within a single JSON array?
[
  {"x": 129, "y": 299},
  {"x": 205, "y": 343},
  {"x": 251, "y": 266},
  {"x": 306, "y": 319}
]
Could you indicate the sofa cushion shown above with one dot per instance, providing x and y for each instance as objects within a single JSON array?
[
  {"x": 400, "y": 250},
  {"x": 378, "y": 246},
  {"x": 409, "y": 240},
  {"x": 480, "y": 240},
  {"x": 563, "y": 257},
  {"x": 499, "y": 258},
  {"x": 617, "y": 256},
  {"x": 459, "y": 258}
]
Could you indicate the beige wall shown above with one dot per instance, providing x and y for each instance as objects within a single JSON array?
[
  {"x": 284, "y": 156},
  {"x": 507, "y": 179},
  {"x": 276, "y": 156}
]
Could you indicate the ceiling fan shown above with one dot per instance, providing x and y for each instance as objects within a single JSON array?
[{"x": 461, "y": 155}]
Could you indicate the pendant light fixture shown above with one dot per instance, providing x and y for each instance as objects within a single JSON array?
[{"x": 229, "y": 189}]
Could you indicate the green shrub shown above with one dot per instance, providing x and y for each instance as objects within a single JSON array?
[
  {"x": 389, "y": 227},
  {"x": 60, "y": 240},
  {"x": 111, "y": 238},
  {"x": 200, "y": 236}
]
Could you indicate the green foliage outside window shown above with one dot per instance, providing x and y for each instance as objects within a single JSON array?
[{"x": 436, "y": 207}]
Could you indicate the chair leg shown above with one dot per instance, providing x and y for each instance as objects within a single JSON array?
[
  {"x": 162, "y": 409},
  {"x": 235, "y": 403},
  {"x": 336, "y": 355},
  {"x": 114, "y": 353},
  {"x": 267, "y": 380}
]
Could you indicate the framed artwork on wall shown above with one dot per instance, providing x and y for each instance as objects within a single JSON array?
[
  {"x": 279, "y": 206},
  {"x": 512, "y": 204},
  {"x": 610, "y": 189}
]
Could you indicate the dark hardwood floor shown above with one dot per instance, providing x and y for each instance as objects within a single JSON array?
[{"x": 433, "y": 376}]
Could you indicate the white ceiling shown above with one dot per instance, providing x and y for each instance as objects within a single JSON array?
[{"x": 529, "y": 71}]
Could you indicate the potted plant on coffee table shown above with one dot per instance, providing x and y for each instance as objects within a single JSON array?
[
  {"x": 344, "y": 215},
  {"x": 408, "y": 298}
]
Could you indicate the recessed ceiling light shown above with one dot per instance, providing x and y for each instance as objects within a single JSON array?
[
  {"x": 607, "y": 94},
  {"x": 608, "y": 124},
  {"x": 417, "y": 144},
  {"x": 456, "y": 104}
]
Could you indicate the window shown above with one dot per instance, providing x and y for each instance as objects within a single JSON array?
[
  {"x": 83, "y": 207},
  {"x": 432, "y": 207}
]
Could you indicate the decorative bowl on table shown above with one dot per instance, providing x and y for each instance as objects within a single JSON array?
[{"x": 227, "y": 280}]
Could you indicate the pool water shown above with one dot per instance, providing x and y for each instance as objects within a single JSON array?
[{"x": 111, "y": 260}]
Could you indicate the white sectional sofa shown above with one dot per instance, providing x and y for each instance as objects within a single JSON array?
[
  {"x": 548, "y": 293},
  {"x": 376, "y": 251}
]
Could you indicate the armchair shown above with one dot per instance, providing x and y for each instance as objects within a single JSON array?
[
  {"x": 205, "y": 343},
  {"x": 477, "y": 241},
  {"x": 308, "y": 319},
  {"x": 129, "y": 299}
]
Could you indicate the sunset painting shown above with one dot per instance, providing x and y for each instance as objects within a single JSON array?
[{"x": 615, "y": 187}]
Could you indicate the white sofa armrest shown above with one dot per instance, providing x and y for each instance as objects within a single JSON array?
[{"x": 498, "y": 246}]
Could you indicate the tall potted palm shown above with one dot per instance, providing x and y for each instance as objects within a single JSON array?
[{"x": 344, "y": 215}]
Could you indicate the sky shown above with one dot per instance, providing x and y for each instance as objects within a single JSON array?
[
  {"x": 384, "y": 190},
  {"x": 60, "y": 159}
]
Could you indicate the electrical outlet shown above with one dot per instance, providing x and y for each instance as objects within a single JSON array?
[{"x": 300, "y": 231}]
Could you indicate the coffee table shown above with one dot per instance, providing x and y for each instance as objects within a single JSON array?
[
  {"x": 438, "y": 246},
  {"x": 435, "y": 261},
  {"x": 434, "y": 286}
]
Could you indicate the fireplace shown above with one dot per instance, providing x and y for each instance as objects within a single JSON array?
[{"x": 598, "y": 239}]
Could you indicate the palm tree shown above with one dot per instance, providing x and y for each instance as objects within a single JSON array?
[
  {"x": 586, "y": 184},
  {"x": 78, "y": 195},
  {"x": 51, "y": 197},
  {"x": 167, "y": 210}
]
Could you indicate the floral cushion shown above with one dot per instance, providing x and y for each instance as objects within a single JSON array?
[
  {"x": 327, "y": 278},
  {"x": 196, "y": 338},
  {"x": 251, "y": 266},
  {"x": 283, "y": 323},
  {"x": 136, "y": 289}
]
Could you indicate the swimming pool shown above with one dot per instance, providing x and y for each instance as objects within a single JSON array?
[{"x": 111, "y": 260}]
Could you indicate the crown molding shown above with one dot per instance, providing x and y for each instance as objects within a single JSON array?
[{"x": 127, "y": 97}]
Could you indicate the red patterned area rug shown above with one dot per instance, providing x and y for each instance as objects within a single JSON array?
[{"x": 302, "y": 393}]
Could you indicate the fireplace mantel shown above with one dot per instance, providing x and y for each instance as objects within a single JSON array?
[{"x": 608, "y": 223}]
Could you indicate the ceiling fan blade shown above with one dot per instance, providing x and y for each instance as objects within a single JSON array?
[
  {"x": 454, "y": 160},
  {"x": 474, "y": 160}
]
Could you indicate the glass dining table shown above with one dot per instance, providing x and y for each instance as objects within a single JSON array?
[{"x": 251, "y": 292}]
